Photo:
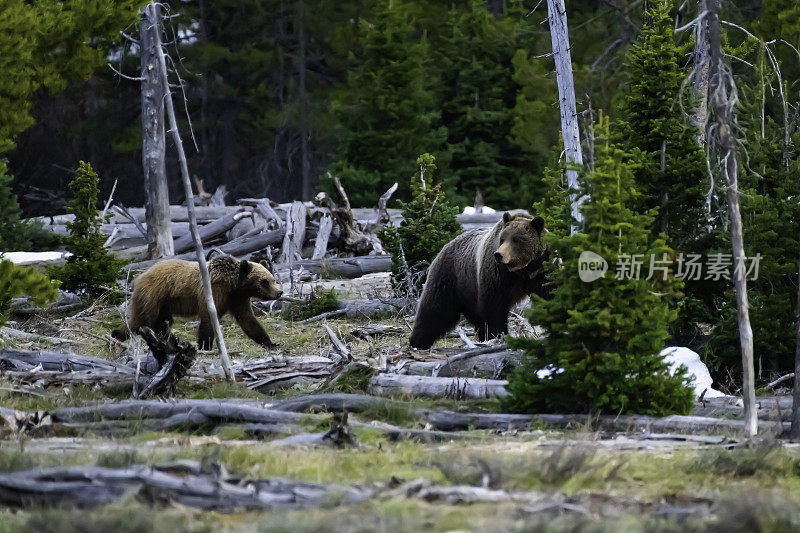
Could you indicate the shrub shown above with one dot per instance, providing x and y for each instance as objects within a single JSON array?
[
  {"x": 603, "y": 337},
  {"x": 16, "y": 280},
  {"x": 91, "y": 267},
  {"x": 429, "y": 222}
]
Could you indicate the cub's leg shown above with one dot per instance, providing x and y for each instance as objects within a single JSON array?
[{"x": 205, "y": 332}]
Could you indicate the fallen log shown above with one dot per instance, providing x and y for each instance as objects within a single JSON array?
[
  {"x": 346, "y": 267},
  {"x": 431, "y": 387},
  {"x": 209, "y": 231},
  {"x": 187, "y": 483},
  {"x": 486, "y": 365},
  {"x": 20, "y": 360},
  {"x": 248, "y": 243}
]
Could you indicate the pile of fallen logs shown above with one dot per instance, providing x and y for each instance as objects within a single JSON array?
[{"x": 323, "y": 236}]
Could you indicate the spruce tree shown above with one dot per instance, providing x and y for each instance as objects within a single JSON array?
[
  {"x": 603, "y": 338},
  {"x": 429, "y": 222},
  {"x": 478, "y": 94},
  {"x": 90, "y": 268},
  {"x": 673, "y": 174},
  {"x": 387, "y": 110}
]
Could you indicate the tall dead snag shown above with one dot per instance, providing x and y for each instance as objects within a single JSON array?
[
  {"x": 557, "y": 17},
  {"x": 187, "y": 185},
  {"x": 702, "y": 62},
  {"x": 722, "y": 98},
  {"x": 295, "y": 233},
  {"x": 795, "y": 432},
  {"x": 159, "y": 227}
]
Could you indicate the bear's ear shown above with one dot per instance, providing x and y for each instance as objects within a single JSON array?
[
  {"x": 244, "y": 270},
  {"x": 538, "y": 224},
  {"x": 266, "y": 263},
  {"x": 506, "y": 218}
]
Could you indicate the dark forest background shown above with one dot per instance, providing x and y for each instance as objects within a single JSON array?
[{"x": 280, "y": 92}]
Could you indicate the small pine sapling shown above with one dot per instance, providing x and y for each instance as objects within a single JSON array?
[
  {"x": 17, "y": 280},
  {"x": 603, "y": 337},
  {"x": 90, "y": 268},
  {"x": 429, "y": 222}
]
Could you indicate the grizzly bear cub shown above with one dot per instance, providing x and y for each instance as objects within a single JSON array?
[
  {"x": 482, "y": 274},
  {"x": 174, "y": 288}
]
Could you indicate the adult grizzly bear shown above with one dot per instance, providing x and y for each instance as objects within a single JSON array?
[
  {"x": 174, "y": 288},
  {"x": 481, "y": 274}
]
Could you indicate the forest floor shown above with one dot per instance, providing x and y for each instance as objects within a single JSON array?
[{"x": 539, "y": 479}]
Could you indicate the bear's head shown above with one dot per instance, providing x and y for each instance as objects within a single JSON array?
[
  {"x": 521, "y": 242},
  {"x": 257, "y": 281}
]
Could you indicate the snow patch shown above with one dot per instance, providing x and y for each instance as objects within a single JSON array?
[
  {"x": 29, "y": 258},
  {"x": 680, "y": 355},
  {"x": 470, "y": 210}
]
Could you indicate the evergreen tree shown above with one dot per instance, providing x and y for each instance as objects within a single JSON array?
[
  {"x": 91, "y": 266},
  {"x": 673, "y": 174},
  {"x": 603, "y": 338},
  {"x": 46, "y": 44},
  {"x": 429, "y": 222},
  {"x": 478, "y": 95},
  {"x": 387, "y": 109},
  {"x": 11, "y": 235}
]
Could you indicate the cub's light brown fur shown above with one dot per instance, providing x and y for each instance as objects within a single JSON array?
[{"x": 174, "y": 288}]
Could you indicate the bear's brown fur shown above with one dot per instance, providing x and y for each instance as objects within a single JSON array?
[
  {"x": 174, "y": 288},
  {"x": 481, "y": 274}
]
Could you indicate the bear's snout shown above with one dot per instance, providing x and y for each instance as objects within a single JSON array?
[
  {"x": 278, "y": 294},
  {"x": 498, "y": 257}
]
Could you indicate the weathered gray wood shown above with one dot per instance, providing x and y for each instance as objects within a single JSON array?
[
  {"x": 488, "y": 365},
  {"x": 700, "y": 73},
  {"x": 795, "y": 431},
  {"x": 159, "y": 230},
  {"x": 186, "y": 484},
  {"x": 324, "y": 233},
  {"x": 295, "y": 233},
  {"x": 430, "y": 387},
  {"x": 559, "y": 36},
  {"x": 209, "y": 231},
  {"x": 720, "y": 82},
  {"x": 211, "y": 309},
  {"x": 346, "y": 267}
]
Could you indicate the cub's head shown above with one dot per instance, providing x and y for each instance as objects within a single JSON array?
[
  {"x": 521, "y": 241},
  {"x": 257, "y": 281}
]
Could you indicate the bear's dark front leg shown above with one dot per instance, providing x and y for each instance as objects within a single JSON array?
[
  {"x": 244, "y": 316},
  {"x": 205, "y": 332},
  {"x": 437, "y": 313}
]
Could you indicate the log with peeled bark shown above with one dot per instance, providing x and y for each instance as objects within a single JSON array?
[
  {"x": 430, "y": 387},
  {"x": 346, "y": 267},
  {"x": 295, "y": 234},
  {"x": 323, "y": 234}
]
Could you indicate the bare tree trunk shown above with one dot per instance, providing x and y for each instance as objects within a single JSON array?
[
  {"x": 702, "y": 64},
  {"x": 795, "y": 433},
  {"x": 305, "y": 163},
  {"x": 557, "y": 16},
  {"x": 159, "y": 228},
  {"x": 187, "y": 185},
  {"x": 721, "y": 81}
]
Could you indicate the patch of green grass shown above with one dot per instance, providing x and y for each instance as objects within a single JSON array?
[
  {"x": 353, "y": 379},
  {"x": 217, "y": 389},
  {"x": 391, "y": 411},
  {"x": 316, "y": 304},
  {"x": 48, "y": 400}
]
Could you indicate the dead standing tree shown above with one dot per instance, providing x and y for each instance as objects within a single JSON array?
[
  {"x": 559, "y": 35},
  {"x": 722, "y": 97},
  {"x": 159, "y": 226},
  {"x": 187, "y": 185}
]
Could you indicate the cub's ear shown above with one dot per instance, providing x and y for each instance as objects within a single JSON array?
[
  {"x": 245, "y": 267},
  {"x": 538, "y": 224},
  {"x": 506, "y": 218}
]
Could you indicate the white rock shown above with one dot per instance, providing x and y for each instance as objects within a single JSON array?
[
  {"x": 680, "y": 355},
  {"x": 470, "y": 210}
]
